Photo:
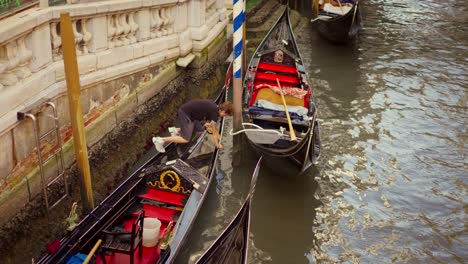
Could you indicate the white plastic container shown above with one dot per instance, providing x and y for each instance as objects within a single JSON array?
[{"x": 151, "y": 228}]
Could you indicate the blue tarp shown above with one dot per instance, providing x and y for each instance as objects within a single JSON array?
[
  {"x": 267, "y": 112},
  {"x": 78, "y": 258}
]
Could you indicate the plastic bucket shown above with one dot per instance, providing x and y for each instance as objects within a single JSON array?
[{"x": 151, "y": 228}]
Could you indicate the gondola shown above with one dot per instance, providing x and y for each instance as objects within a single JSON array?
[
  {"x": 339, "y": 24},
  {"x": 276, "y": 80},
  {"x": 162, "y": 196},
  {"x": 232, "y": 245}
]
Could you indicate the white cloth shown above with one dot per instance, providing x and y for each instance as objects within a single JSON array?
[
  {"x": 336, "y": 9},
  {"x": 300, "y": 110}
]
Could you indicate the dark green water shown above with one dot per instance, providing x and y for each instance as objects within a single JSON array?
[{"x": 391, "y": 185}]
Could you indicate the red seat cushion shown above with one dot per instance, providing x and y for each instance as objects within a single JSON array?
[
  {"x": 288, "y": 80},
  {"x": 164, "y": 196},
  {"x": 277, "y": 68}
]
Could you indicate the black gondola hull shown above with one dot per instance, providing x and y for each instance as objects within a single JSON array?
[
  {"x": 277, "y": 64},
  {"x": 341, "y": 29}
]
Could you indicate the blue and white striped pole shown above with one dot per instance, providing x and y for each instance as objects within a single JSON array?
[
  {"x": 238, "y": 24},
  {"x": 238, "y": 42}
]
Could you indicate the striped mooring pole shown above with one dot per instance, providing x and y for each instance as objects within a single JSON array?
[{"x": 238, "y": 42}]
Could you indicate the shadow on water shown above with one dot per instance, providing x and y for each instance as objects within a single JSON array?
[
  {"x": 225, "y": 196},
  {"x": 282, "y": 215}
]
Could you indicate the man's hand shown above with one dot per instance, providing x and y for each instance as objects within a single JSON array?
[
  {"x": 208, "y": 127},
  {"x": 219, "y": 146}
]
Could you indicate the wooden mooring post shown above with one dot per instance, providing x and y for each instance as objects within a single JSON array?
[{"x": 76, "y": 115}]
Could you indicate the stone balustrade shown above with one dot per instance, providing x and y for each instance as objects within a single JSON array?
[
  {"x": 30, "y": 44},
  {"x": 113, "y": 39}
]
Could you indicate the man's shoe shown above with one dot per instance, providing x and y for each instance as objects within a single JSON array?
[{"x": 159, "y": 144}]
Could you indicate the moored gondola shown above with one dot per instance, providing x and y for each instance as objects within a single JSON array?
[
  {"x": 279, "y": 115},
  {"x": 232, "y": 245},
  {"x": 148, "y": 217},
  {"x": 338, "y": 21}
]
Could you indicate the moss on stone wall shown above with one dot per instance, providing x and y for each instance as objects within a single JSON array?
[{"x": 112, "y": 156}]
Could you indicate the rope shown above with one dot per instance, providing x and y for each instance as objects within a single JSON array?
[{"x": 256, "y": 129}]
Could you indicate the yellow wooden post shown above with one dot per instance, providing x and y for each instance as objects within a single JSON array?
[{"x": 73, "y": 87}]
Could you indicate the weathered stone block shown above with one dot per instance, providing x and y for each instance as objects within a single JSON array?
[
  {"x": 185, "y": 43},
  {"x": 101, "y": 7},
  {"x": 212, "y": 20},
  {"x": 138, "y": 51},
  {"x": 126, "y": 107},
  {"x": 124, "y": 53},
  {"x": 172, "y": 41},
  {"x": 127, "y": 68},
  {"x": 63, "y": 111},
  {"x": 87, "y": 63},
  {"x": 37, "y": 83},
  {"x": 217, "y": 46},
  {"x": 172, "y": 54},
  {"x": 142, "y": 18},
  {"x": 100, "y": 127},
  {"x": 157, "y": 58},
  {"x": 59, "y": 70},
  {"x": 16, "y": 25},
  {"x": 153, "y": 87},
  {"x": 222, "y": 14},
  {"x": 196, "y": 13},
  {"x": 9, "y": 119},
  {"x": 160, "y": 2},
  {"x": 199, "y": 33},
  {"x": 97, "y": 26},
  {"x": 124, "y": 4},
  {"x": 7, "y": 161},
  {"x": 43, "y": 15},
  {"x": 181, "y": 18},
  {"x": 106, "y": 59},
  {"x": 9, "y": 98},
  {"x": 92, "y": 78},
  {"x": 74, "y": 10},
  {"x": 41, "y": 50},
  {"x": 154, "y": 45},
  {"x": 23, "y": 139},
  {"x": 212, "y": 34}
]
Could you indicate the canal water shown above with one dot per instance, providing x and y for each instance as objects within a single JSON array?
[{"x": 392, "y": 182}]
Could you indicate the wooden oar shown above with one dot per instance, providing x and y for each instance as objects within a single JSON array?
[
  {"x": 291, "y": 129},
  {"x": 91, "y": 253},
  {"x": 341, "y": 7}
]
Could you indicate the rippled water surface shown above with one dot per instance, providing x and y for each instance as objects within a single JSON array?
[{"x": 392, "y": 181}]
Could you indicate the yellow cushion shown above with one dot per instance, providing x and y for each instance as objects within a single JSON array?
[{"x": 270, "y": 95}]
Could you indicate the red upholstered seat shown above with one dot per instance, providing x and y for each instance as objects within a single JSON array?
[
  {"x": 287, "y": 80},
  {"x": 277, "y": 68},
  {"x": 164, "y": 196}
]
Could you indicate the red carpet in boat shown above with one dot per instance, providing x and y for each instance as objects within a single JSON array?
[
  {"x": 161, "y": 213},
  {"x": 164, "y": 196}
]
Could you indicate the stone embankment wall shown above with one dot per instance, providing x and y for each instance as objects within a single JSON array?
[{"x": 128, "y": 51}]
